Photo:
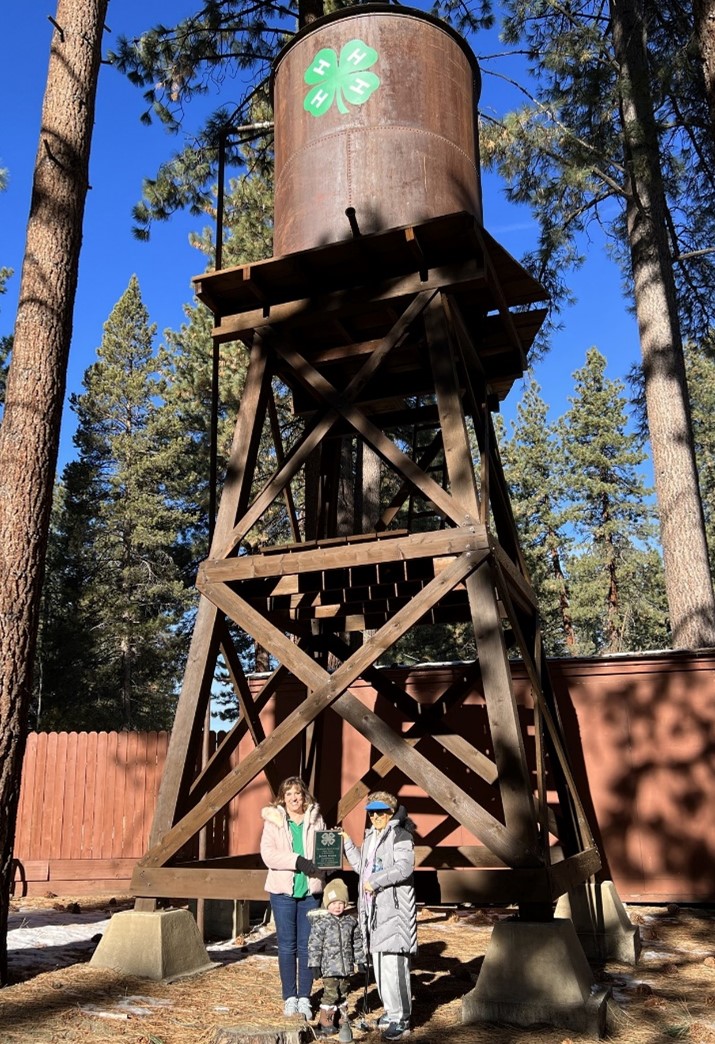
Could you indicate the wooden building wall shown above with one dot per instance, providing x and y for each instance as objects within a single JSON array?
[{"x": 641, "y": 736}]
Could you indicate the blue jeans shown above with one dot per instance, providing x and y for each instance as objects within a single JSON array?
[{"x": 292, "y": 931}]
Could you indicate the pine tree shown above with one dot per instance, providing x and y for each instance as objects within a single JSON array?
[
  {"x": 5, "y": 349},
  {"x": 608, "y": 128},
  {"x": 5, "y": 341},
  {"x": 534, "y": 469},
  {"x": 616, "y": 586},
  {"x": 701, "y": 378},
  {"x": 29, "y": 434},
  {"x": 118, "y": 532},
  {"x": 5, "y": 273},
  {"x": 704, "y": 17},
  {"x": 187, "y": 370}
]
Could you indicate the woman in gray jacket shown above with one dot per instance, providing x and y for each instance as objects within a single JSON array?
[{"x": 386, "y": 905}]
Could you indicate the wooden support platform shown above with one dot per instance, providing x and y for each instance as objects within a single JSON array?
[{"x": 397, "y": 354}]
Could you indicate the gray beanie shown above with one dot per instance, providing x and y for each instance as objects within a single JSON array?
[{"x": 335, "y": 890}]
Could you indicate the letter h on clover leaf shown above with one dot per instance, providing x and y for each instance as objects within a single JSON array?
[{"x": 340, "y": 80}]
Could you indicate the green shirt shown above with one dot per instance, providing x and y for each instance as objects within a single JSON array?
[{"x": 300, "y": 881}]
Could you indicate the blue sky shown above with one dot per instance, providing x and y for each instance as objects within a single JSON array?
[{"x": 124, "y": 151}]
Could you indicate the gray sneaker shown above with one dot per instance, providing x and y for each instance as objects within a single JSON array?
[
  {"x": 304, "y": 1008},
  {"x": 291, "y": 1006},
  {"x": 396, "y": 1031}
]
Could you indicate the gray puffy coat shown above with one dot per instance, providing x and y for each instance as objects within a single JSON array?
[
  {"x": 335, "y": 944},
  {"x": 389, "y": 923}
]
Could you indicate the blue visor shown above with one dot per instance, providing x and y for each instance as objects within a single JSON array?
[{"x": 378, "y": 806}]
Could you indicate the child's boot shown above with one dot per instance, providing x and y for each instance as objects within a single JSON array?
[{"x": 326, "y": 1022}]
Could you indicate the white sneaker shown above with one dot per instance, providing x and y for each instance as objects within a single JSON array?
[
  {"x": 291, "y": 1006},
  {"x": 304, "y": 1008}
]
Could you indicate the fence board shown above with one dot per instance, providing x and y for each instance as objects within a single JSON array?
[
  {"x": 108, "y": 800},
  {"x": 38, "y": 797},
  {"x": 59, "y": 782},
  {"x": 132, "y": 763},
  {"x": 73, "y": 850},
  {"x": 72, "y": 797},
  {"x": 48, "y": 818},
  {"x": 100, "y": 789},
  {"x": 24, "y": 812},
  {"x": 86, "y": 847},
  {"x": 137, "y": 836}
]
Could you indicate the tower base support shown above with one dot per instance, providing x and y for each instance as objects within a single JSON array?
[
  {"x": 158, "y": 944},
  {"x": 537, "y": 972},
  {"x": 602, "y": 923}
]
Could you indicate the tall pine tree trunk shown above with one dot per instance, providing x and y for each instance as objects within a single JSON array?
[
  {"x": 704, "y": 13},
  {"x": 29, "y": 435},
  {"x": 687, "y": 573}
]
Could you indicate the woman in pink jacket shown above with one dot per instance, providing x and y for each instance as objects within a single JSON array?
[{"x": 294, "y": 885}]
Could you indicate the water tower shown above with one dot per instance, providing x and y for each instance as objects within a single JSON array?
[{"x": 398, "y": 324}]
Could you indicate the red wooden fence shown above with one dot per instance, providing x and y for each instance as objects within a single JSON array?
[
  {"x": 640, "y": 732},
  {"x": 86, "y": 806}
]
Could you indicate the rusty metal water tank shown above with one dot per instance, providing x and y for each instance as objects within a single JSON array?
[{"x": 375, "y": 109}]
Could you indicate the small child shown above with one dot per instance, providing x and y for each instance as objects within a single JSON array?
[{"x": 335, "y": 946}]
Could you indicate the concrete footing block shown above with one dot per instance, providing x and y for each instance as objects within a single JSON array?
[
  {"x": 602, "y": 923},
  {"x": 158, "y": 944},
  {"x": 536, "y": 972}
]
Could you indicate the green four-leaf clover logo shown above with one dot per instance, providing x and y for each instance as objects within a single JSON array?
[{"x": 340, "y": 80}]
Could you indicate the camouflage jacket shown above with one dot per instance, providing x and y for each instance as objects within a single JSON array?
[{"x": 335, "y": 945}]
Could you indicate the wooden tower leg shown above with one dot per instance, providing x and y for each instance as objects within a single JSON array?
[
  {"x": 203, "y": 651},
  {"x": 509, "y": 753}
]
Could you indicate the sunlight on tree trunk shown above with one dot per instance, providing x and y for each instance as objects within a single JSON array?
[
  {"x": 687, "y": 572},
  {"x": 704, "y": 12},
  {"x": 29, "y": 436}
]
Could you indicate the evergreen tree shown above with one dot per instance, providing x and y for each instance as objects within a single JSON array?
[
  {"x": 5, "y": 349},
  {"x": 704, "y": 18},
  {"x": 187, "y": 369},
  {"x": 5, "y": 273},
  {"x": 248, "y": 218},
  {"x": 29, "y": 435},
  {"x": 5, "y": 341},
  {"x": 118, "y": 533},
  {"x": 607, "y": 128},
  {"x": 701, "y": 378},
  {"x": 616, "y": 589},
  {"x": 534, "y": 468}
]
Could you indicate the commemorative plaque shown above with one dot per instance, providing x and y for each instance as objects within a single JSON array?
[{"x": 328, "y": 849}]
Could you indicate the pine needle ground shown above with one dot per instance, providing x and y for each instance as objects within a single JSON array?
[{"x": 669, "y": 996}]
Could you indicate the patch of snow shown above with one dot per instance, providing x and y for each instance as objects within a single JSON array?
[{"x": 45, "y": 940}]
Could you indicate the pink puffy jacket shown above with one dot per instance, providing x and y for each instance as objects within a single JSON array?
[{"x": 277, "y": 848}]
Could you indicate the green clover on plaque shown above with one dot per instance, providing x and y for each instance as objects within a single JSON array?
[{"x": 345, "y": 78}]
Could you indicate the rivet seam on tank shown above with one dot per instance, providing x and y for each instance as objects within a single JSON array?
[{"x": 340, "y": 80}]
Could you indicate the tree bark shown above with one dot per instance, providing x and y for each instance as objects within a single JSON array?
[
  {"x": 687, "y": 573},
  {"x": 29, "y": 435},
  {"x": 704, "y": 13}
]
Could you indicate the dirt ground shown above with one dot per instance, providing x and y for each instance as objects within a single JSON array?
[{"x": 669, "y": 996}]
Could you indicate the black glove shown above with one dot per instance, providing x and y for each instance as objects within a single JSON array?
[
  {"x": 362, "y": 968},
  {"x": 305, "y": 866},
  {"x": 315, "y": 972}
]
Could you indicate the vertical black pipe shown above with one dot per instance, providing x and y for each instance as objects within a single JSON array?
[{"x": 213, "y": 446}]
